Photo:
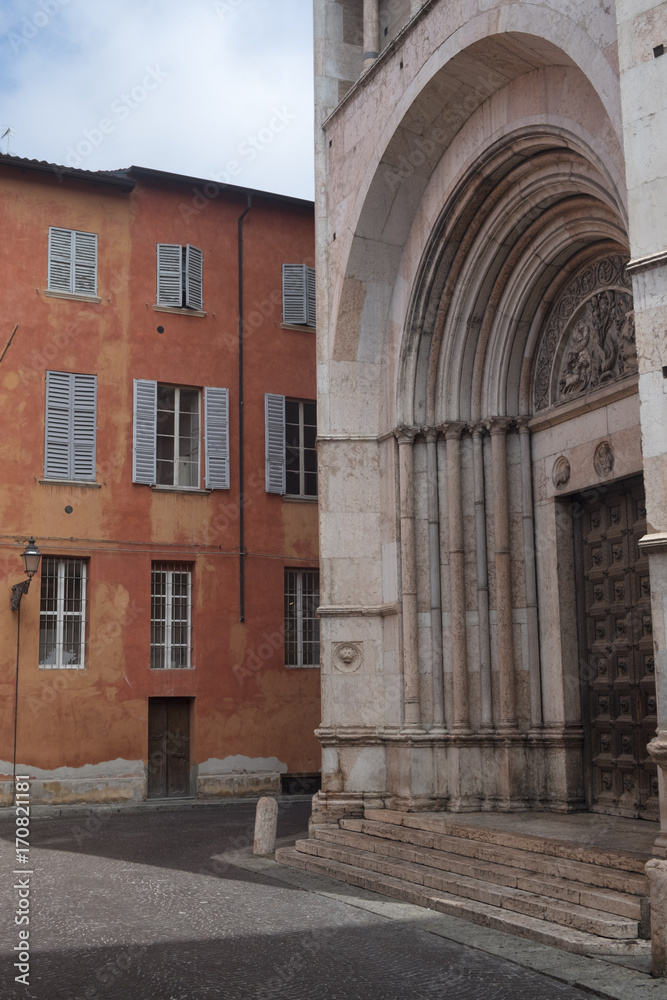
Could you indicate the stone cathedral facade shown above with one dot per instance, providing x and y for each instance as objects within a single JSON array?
[{"x": 492, "y": 255}]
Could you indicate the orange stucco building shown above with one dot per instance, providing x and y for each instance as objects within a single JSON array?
[{"x": 161, "y": 452}]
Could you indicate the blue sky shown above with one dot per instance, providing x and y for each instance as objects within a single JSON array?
[{"x": 211, "y": 88}]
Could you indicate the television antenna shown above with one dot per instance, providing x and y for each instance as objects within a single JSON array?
[{"x": 7, "y": 134}]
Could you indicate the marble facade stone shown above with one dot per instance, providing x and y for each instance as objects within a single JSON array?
[{"x": 492, "y": 299}]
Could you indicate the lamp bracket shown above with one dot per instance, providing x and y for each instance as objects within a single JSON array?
[{"x": 18, "y": 590}]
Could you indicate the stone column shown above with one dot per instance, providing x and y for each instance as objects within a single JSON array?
[
  {"x": 482, "y": 581},
  {"x": 532, "y": 627},
  {"x": 460, "y": 715},
  {"x": 657, "y": 877},
  {"x": 371, "y": 31},
  {"x": 405, "y": 438},
  {"x": 507, "y": 721},
  {"x": 431, "y": 435}
]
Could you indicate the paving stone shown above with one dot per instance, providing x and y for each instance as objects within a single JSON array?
[{"x": 131, "y": 906}]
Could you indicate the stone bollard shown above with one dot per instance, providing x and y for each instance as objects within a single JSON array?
[
  {"x": 266, "y": 821},
  {"x": 656, "y": 869}
]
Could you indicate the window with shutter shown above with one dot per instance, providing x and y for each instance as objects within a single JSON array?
[
  {"x": 298, "y": 294},
  {"x": 70, "y": 426},
  {"x": 72, "y": 261},
  {"x": 180, "y": 276},
  {"x": 216, "y": 438},
  {"x": 274, "y": 414},
  {"x": 145, "y": 429},
  {"x": 194, "y": 276},
  {"x": 167, "y": 435},
  {"x": 169, "y": 274}
]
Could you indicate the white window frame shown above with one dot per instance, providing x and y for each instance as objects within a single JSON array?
[
  {"x": 62, "y": 614},
  {"x": 297, "y": 590},
  {"x": 177, "y": 436},
  {"x": 72, "y": 262},
  {"x": 215, "y": 436},
  {"x": 302, "y": 448},
  {"x": 168, "y": 569}
]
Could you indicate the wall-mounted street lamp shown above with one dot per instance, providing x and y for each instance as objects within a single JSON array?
[{"x": 31, "y": 560}]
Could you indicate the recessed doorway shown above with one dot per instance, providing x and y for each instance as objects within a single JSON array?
[{"x": 168, "y": 747}]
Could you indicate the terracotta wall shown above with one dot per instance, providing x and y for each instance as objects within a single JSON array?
[{"x": 245, "y": 705}]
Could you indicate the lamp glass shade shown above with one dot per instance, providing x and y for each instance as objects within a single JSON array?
[{"x": 31, "y": 557}]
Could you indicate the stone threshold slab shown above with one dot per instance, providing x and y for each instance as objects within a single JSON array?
[
  {"x": 553, "y": 834},
  {"x": 606, "y": 977}
]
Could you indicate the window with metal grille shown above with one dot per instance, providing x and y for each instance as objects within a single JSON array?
[
  {"x": 62, "y": 622},
  {"x": 177, "y": 460},
  {"x": 300, "y": 453},
  {"x": 171, "y": 613},
  {"x": 302, "y": 626}
]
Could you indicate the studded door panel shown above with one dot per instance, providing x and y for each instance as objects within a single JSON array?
[{"x": 619, "y": 697}]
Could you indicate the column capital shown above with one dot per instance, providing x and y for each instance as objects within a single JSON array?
[
  {"x": 522, "y": 423},
  {"x": 477, "y": 430},
  {"x": 499, "y": 425},
  {"x": 406, "y": 435},
  {"x": 430, "y": 434},
  {"x": 452, "y": 430}
]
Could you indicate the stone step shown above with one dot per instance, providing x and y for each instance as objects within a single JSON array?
[
  {"x": 455, "y": 825},
  {"x": 578, "y": 893},
  {"x": 554, "y": 911},
  {"x": 529, "y": 862},
  {"x": 536, "y": 929}
]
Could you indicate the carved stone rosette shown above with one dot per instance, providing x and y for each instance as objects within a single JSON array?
[
  {"x": 347, "y": 656},
  {"x": 589, "y": 338}
]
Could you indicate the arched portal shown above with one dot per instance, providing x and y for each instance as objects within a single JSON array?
[{"x": 478, "y": 371}]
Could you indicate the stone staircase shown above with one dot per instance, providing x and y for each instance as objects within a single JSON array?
[{"x": 574, "y": 896}]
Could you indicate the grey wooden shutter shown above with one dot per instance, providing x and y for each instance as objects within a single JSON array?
[
  {"x": 294, "y": 293},
  {"x": 145, "y": 432},
  {"x": 84, "y": 426},
  {"x": 194, "y": 278},
  {"x": 274, "y": 412},
  {"x": 85, "y": 263},
  {"x": 60, "y": 259},
  {"x": 57, "y": 430},
  {"x": 169, "y": 274},
  {"x": 310, "y": 296},
  {"x": 216, "y": 438}
]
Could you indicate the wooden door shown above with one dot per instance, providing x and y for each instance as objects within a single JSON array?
[
  {"x": 168, "y": 747},
  {"x": 615, "y": 635}
]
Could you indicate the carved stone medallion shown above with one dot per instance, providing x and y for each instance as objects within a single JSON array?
[
  {"x": 561, "y": 472},
  {"x": 589, "y": 339},
  {"x": 603, "y": 460},
  {"x": 347, "y": 656}
]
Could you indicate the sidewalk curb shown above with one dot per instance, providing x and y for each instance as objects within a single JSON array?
[
  {"x": 596, "y": 976},
  {"x": 43, "y": 811}
]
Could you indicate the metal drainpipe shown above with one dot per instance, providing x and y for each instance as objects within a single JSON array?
[{"x": 241, "y": 480}]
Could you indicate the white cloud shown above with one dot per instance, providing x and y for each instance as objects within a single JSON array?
[{"x": 187, "y": 89}]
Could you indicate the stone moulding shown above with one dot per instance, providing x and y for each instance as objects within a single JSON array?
[
  {"x": 357, "y": 610},
  {"x": 589, "y": 337}
]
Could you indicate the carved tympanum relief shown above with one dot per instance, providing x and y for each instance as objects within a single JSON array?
[{"x": 589, "y": 339}]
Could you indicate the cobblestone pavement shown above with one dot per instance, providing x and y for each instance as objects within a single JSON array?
[{"x": 129, "y": 905}]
